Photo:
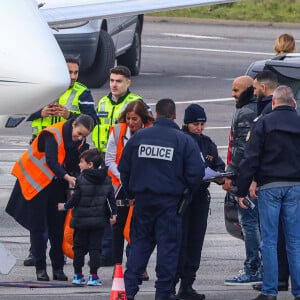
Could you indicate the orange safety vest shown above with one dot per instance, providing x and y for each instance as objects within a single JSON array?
[
  {"x": 32, "y": 170},
  {"x": 119, "y": 131}
]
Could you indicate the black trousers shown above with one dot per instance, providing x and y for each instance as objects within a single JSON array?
[
  {"x": 87, "y": 241},
  {"x": 194, "y": 229},
  {"x": 118, "y": 237},
  {"x": 51, "y": 195}
]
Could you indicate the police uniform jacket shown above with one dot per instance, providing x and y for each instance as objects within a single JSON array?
[
  {"x": 208, "y": 153},
  {"x": 244, "y": 115},
  {"x": 90, "y": 208},
  {"x": 160, "y": 160},
  {"x": 272, "y": 152}
]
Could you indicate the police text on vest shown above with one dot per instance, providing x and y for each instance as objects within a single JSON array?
[{"x": 156, "y": 152}]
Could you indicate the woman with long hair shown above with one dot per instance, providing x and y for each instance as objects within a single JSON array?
[{"x": 133, "y": 118}]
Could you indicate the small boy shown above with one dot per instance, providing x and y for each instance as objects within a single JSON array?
[{"x": 93, "y": 197}]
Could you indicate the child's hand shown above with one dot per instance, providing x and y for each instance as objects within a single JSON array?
[
  {"x": 60, "y": 206},
  {"x": 113, "y": 220}
]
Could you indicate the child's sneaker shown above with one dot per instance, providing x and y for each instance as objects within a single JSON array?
[
  {"x": 95, "y": 281},
  {"x": 78, "y": 280}
]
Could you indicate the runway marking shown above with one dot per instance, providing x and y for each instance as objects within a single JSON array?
[
  {"x": 196, "y": 76},
  {"x": 151, "y": 74},
  {"x": 217, "y": 127},
  {"x": 16, "y": 149},
  {"x": 198, "y": 101},
  {"x": 194, "y": 36},
  {"x": 208, "y": 50}
]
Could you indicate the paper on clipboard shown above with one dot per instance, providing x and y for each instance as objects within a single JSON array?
[{"x": 211, "y": 175}]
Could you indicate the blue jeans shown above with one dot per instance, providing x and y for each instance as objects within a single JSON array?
[
  {"x": 249, "y": 221},
  {"x": 284, "y": 202}
]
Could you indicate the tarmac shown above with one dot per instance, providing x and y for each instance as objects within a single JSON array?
[{"x": 222, "y": 255}]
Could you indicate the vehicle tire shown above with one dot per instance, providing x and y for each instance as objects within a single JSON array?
[
  {"x": 132, "y": 57},
  {"x": 98, "y": 74}
]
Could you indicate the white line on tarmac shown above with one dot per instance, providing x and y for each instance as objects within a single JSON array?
[
  {"x": 196, "y": 76},
  {"x": 217, "y": 127},
  {"x": 17, "y": 149},
  {"x": 208, "y": 50},
  {"x": 152, "y": 74},
  {"x": 193, "y": 36},
  {"x": 198, "y": 101}
]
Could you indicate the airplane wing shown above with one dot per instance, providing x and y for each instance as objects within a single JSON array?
[{"x": 65, "y": 11}]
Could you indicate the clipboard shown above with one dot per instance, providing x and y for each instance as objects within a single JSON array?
[{"x": 211, "y": 175}]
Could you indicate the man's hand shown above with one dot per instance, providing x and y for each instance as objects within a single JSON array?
[
  {"x": 70, "y": 179},
  {"x": 49, "y": 111},
  {"x": 60, "y": 206},
  {"x": 252, "y": 190},
  {"x": 113, "y": 220},
  {"x": 62, "y": 111},
  {"x": 242, "y": 205},
  {"x": 227, "y": 185}
]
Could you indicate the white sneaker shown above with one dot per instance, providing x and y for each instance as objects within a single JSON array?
[
  {"x": 78, "y": 280},
  {"x": 94, "y": 281}
]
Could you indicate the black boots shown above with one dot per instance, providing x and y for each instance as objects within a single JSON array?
[
  {"x": 29, "y": 260},
  {"x": 59, "y": 275},
  {"x": 187, "y": 292},
  {"x": 41, "y": 275}
]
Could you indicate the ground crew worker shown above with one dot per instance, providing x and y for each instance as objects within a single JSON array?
[
  {"x": 111, "y": 105},
  {"x": 109, "y": 111},
  {"x": 157, "y": 164},
  {"x": 41, "y": 183},
  {"x": 75, "y": 100},
  {"x": 272, "y": 158},
  {"x": 133, "y": 118}
]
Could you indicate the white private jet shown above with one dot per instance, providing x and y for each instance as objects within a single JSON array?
[{"x": 33, "y": 71}]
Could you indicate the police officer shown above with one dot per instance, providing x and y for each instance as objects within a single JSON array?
[
  {"x": 156, "y": 165},
  {"x": 75, "y": 100},
  {"x": 195, "y": 217},
  {"x": 272, "y": 158}
]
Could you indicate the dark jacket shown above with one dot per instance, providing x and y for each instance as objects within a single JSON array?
[
  {"x": 264, "y": 105},
  {"x": 245, "y": 113},
  {"x": 272, "y": 152},
  {"x": 89, "y": 202},
  {"x": 160, "y": 159},
  {"x": 208, "y": 152},
  {"x": 31, "y": 214}
]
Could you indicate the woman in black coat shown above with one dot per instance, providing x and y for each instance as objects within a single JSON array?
[
  {"x": 40, "y": 213},
  {"x": 195, "y": 217}
]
